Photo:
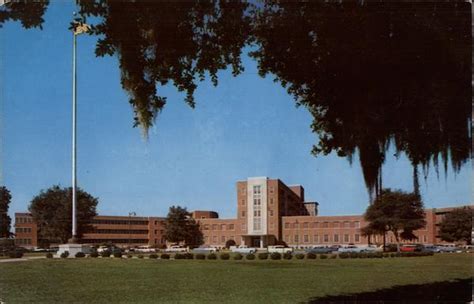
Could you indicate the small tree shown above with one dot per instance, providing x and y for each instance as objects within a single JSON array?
[
  {"x": 230, "y": 243},
  {"x": 398, "y": 212},
  {"x": 5, "y": 220},
  {"x": 181, "y": 227},
  {"x": 457, "y": 226},
  {"x": 52, "y": 212}
]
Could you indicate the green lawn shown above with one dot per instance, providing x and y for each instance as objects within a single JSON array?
[{"x": 190, "y": 281}]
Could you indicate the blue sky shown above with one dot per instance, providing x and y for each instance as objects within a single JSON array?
[{"x": 246, "y": 126}]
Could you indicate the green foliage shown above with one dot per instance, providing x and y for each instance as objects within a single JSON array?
[
  {"x": 153, "y": 256},
  {"x": 310, "y": 256},
  {"x": 165, "y": 256},
  {"x": 5, "y": 220},
  {"x": 333, "y": 256},
  {"x": 275, "y": 256},
  {"x": 140, "y": 256},
  {"x": 398, "y": 212},
  {"x": 224, "y": 256},
  {"x": 52, "y": 212},
  {"x": 179, "y": 256},
  {"x": 105, "y": 254},
  {"x": 200, "y": 256},
  {"x": 49, "y": 255},
  {"x": 117, "y": 254},
  {"x": 238, "y": 256},
  {"x": 80, "y": 255},
  {"x": 457, "y": 225},
  {"x": 64, "y": 255},
  {"x": 15, "y": 254},
  {"x": 287, "y": 256},
  {"x": 230, "y": 243},
  {"x": 94, "y": 254},
  {"x": 299, "y": 256},
  {"x": 323, "y": 256},
  {"x": 211, "y": 256},
  {"x": 180, "y": 226},
  {"x": 188, "y": 256},
  {"x": 29, "y": 13},
  {"x": 129, "y": 256},
  {"x": 250, "y": 256},
  {"x": 263, "y": 256},
  {"x": 343, "y": 255}
]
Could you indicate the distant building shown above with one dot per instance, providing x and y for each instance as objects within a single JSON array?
[{"x": 268, "y": 211}]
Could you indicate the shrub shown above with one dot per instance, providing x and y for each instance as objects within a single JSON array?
[
  {"x": 250, "y": 256},
  {"x": 165, "y": 256},
  {"x": 229, "y": 243},
  {"x": 344, "y": 255},
  {"x": 188, "y": 256},
  {"x": 129, "y": 256},
  {"x": 224, "y": 256},
  {"x": 275, "y": 256},
  {"x": 211, "y": 256},
  {"x": 299, "y": 256},
  {"x": 200, "y": 256},
  {"x": 353, "y": 255},
  {"x": 105, "y": 254},
  {"x": 333, "y": 256},
  {"x": 386, "y": 255},
  {"x": 94, "y": 254},
  {"x": 238, "y": 256},
  {"x": 15, "y": 254},
  {"x": 310, "y": 256},
  {"x": 65, "y": 254},
  {"x": 140, "y": 256},
  {"x": 323, "y": 256},
  {"x": 263, "y": 256},
  {"x": 153, "y": 256},
  {"x": 49, "y": 255},
  {"x": 287, "y": 256},
  {"x": 363, "y": 255},
  {"x": 117, "y": 254},
  {"x": 80, "y": 254},
  {"x": 179, "y": 256}
]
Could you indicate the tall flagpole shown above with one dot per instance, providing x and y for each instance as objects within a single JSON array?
[{"x": 74, "y": 116}]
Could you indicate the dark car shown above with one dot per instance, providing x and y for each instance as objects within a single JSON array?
[{"x": 319, "y": 250}]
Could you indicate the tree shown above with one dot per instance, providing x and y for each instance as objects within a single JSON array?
[
  {"x": 5, "y": 220},
  {"x": 52, "y": 212},
  {"x": 230, "y": 243},
  {"x": 181, "y": 227},
  {"x": 398, "y": 212},
  {"x": 457, "y": 226}
]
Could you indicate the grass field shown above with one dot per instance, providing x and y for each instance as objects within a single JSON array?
[{"x": 191, "y": 281}]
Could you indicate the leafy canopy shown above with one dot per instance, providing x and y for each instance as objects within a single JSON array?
[
  {"x": 5, "y": 220},
  {"x": 181, "y": 227},
  {"x": 457, "y": 225},
  {"x": 52, "y": 212}
]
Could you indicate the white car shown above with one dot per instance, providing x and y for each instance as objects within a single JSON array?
[
  {"x": 372, "y": 248},
  {"x": 204, "y": 250},
  {"x": 145, "y": 249},
  {"x": 177, "y": 248},
  {"x": 279, "y": 249},
  {"x": 243, "y": 249},
  {"x": 351, "y": 248}
]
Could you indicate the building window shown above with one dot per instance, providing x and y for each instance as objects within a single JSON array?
[
  {"x": 244, "y": 227},
  {"x": 325, "y": 225},
  {"x": 357, "y": 238},
  {"x": 316, "y": 239},
  {"x": 156, "y": 231},
  {"x": 357, "y": 224},
  {"x": 326, "y": 238},
  {"x": 223, "y": 227},
  {"x": 271, "y": 212},
  {"x": 223, "y": 239},
  {"x": 305, "y": 238},
  {"x": 215, "y": 227},
  {"x": 287, "y": 225},
  {"x": 257, "y": 189},
  {"x": 305, "y": 225},
  {"x": 243, "y": 213},
  {"x": 214, "y": 239},
  {"x": 271, "y": 200},
  {"x": 336, "y": 238},
  {"x": 347, "y": 225},
  {"x": 336, "y": 224},
  {"x": 257, "y": 213},
  {"x": 271, "y": 189},
  {"x": 346, "y": 238},
  {"x": 243, "y": 202},
  {"x": 424, "y": 239},
  {"x": 231, "y": 227},
  {"x": 297, "y": 239},
  {"x": 257, "y": 201}
]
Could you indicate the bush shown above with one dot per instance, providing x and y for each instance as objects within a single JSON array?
[
  {"x": 323, "y": 256},
  {"x": 140, "y": 256},
  {"x": 200, "y": 256},
  {"x": 188, "y": 256},
  {"x": 179, "y": 256},
  {"x": 250, "y": 256},
  {"x": 105, "y": 254},
  {"x": 344, "y": 255},
  {"x": 211, "y": 256},
  {"x": 80, "y": 254},
  {"x": 65, "y": 254},
  {"x": 153, "y": 256},
  {"x": 263, "y": 256},
  {"x": 230, "y": 243},
  {"x": 354, "y": 255},
  {"x": 299, "y": 256},
  {"x": 117, "y": 254},
  {"x": 287, "y": 256},
  {"x": 94, "y": 254},
  {"x": 238, "y": 256},
  {"x": 310, "y": 256},
  {"x": 165, "y": 256},
  {"x": 49, "y": 255},
  {"x": 363, "y": 255},
  {"x": 129, "y": 256},
  {"x": 15, "y": 254},
  {"x": 333, "y": 256},
  {"x": 224, "y": 256},
  {"x": 275, "y": 256}
]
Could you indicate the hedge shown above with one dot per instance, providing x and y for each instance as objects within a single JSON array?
[
  {"x": 200, "y": 256},
  {"x": 238, "y": 256},
  {"x": 94, "y": 254},
  {"x": 153, "y": 256},
  {"x": 287, "y": 256},
  {"x": 250, "y": 256},
  {"x": 224, "y": 256},
  {"x": 165, "y": 256},
  {"x": 310, "y": 256},
  {"x": 80, "y": 254},
  {"x": 263, "y": 256},
  {"x": 211, "y": 256},
  {"x": 275, "y": 256}
]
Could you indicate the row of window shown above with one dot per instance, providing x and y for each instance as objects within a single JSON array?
[
  {"x": 24, "y": 220},
  {"x": 326, "y": 238},
  {"x": 23, "y": 230},
  {"x": 119, "y": 222},
  {"x": 215, "y": 240},
  {"x": 23, "y": 241},
  {"x": 345, "y": 224},
  {"x": 116, "y": 241},
  {"x": 120, "y": 231},
  {"x": 218, "y": 227}
]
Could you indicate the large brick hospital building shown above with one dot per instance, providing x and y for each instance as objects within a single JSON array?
[{"x": 267, "y": 211}]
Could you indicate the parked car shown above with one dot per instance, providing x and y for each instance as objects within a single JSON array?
[
  {"x": 320, "y": 249},
  {"x": 411, "y": 248},
  {"x": 351, "y": 248},
  {"x": 372, "y": 248},
  {"x": 243, "y": 249},
  {"x": 145, "y": 249},
  {"x": 279, "y": 249},
  {"x": 204, "y": 250},
  {"x": 449, "y": 248},
  {"x": 177, "y": 248},
  {"x": 431, "y": 248}
]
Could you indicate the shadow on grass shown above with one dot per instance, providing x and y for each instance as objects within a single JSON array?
[{"x": 458, "y": 291}]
